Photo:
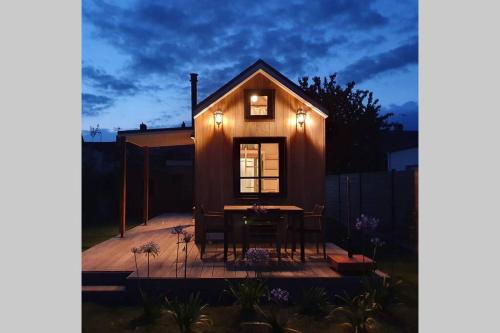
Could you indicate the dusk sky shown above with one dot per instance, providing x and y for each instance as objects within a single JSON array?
[{"x": 137, "y": 55}]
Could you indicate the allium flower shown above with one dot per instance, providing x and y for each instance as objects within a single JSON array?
[
  {"x": 150, "y": 248},
  {"x": 377, "y": 242},
  {"x": 187, "y": 237},
  {"x": 135, "y": 250},
  {"x": 280, "y": 295},
  {"x": 257, "y": 256},
  {"x": 366, "y": 223},
  {"x": 259, "y": 209},
  {"x": 177, "y": 230}
]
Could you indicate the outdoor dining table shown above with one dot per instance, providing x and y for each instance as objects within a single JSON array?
[{"x": 291, "y": 211}]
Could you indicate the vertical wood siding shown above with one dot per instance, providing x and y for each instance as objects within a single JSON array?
[{"x": 305, "y": 148}]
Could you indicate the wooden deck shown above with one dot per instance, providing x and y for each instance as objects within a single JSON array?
[{"x": 114, "y": 255}]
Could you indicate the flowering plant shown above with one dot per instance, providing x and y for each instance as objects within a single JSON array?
[
  {"x": 177, "y": 230},
  {"x": 136, "y": 251},
  {"x": 150, "y": 301},
  {"x": 187, "y": 237},
  {"x": 366, "y": 223},
  {"x": 149, "y": 249},
  {"x": 280, "y": 296},
  {"x": 259, "y": 209},
  {"x": 257, "y": 256},
  {"x": 376, "y": 242}
]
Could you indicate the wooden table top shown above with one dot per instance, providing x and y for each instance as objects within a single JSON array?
[{"x": 244, "y": 208}]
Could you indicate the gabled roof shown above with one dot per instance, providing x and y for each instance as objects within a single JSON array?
[{"x": 260, "y": 66}]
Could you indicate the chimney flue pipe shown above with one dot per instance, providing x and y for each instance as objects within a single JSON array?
[{"x": 194, "y": 95}]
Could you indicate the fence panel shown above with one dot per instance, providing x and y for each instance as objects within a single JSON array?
[{"x": 389, "y": 196}]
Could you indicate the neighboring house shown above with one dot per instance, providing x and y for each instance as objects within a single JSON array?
[
  {"x": 405, "y": 159},
  {"x": 259, "y": 138},
  {"x": 401, "y": 150}
]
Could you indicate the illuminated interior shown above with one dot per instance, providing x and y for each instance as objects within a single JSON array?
[
  {"x": 259, "y": 175},
  {"x": 258, "y": 105}
]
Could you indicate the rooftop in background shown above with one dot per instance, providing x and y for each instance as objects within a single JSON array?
[
  {"x": 158, "y": 137},
  {"x": 154, "y": 130},
  {"x": 399, "y": 140}
]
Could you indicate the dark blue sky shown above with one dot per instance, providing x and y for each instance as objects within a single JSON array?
[{"x": 137, "y": 55}]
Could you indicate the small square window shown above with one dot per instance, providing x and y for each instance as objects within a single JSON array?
[{"x": 259, "y": 104}]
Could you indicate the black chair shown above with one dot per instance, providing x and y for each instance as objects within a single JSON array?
[
  {"x": 212, "y": 222},
  {"x": 314, "y": 223},
  {"x": 263, "y": 227}
]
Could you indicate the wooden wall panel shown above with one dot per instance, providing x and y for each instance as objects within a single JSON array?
[{"x": 305, "y": 148}]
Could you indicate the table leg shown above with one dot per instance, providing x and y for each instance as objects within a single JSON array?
[
  {"x": 226, "y": 226},
  {"x": 293, "y": 218},
  {"x": 302, "y": 240}
]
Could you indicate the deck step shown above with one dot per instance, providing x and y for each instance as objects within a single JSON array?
[
  {"x": 101, "y": 278},
  {"x": 108, "y": 294},
  {"x": 101, "y": 289}
]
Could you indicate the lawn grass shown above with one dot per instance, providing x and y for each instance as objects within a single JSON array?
[{"x": 96, "y": 233}]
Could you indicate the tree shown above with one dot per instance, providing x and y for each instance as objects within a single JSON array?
[{"x": 353, "y": 127}]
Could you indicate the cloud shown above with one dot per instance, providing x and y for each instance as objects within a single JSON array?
[
  {"x": 103, "y": 81},
  {"x": 406, "y": 114},
  {"x": 116, "y": 86},
  {"x": 171, "y": 39},
  {"x": 93, "y": 105},
  {"x": 109, "y": 85},
  {"x": 371, "y": 66}
]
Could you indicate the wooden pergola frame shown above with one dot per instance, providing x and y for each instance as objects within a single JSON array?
[{"x": 146, "y": 139}]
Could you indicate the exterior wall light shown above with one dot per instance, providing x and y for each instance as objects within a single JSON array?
[
  {"x": 218, "y": 115},
  {"x": 301, "y": 117}
]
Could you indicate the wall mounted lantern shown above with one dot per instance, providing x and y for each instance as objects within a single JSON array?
[
  {"x": 301, "y": 117},
  {"x": 218, "y": 115}
]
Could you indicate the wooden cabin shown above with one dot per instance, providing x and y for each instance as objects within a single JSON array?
[{"x": 258, "y": 139}]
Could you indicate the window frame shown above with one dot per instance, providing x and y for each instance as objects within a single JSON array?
[
  {"x": 281, "y": 141},
  {"x": 270, "y": 103}
]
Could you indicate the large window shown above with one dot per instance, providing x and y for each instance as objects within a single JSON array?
[
  {"x": 259, "y": 104},
  {"x": 259, "y": 165}
]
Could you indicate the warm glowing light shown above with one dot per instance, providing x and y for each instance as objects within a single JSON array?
[
  {"x": 254, "y": 98},
  {"x": 301, "y": 117},
  {"x": 218, "y": 117}
]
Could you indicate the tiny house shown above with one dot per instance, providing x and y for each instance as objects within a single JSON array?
[{"x": 258, "y": 139}]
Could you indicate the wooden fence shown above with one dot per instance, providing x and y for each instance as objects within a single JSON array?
[{"x": 390, "y": 196}]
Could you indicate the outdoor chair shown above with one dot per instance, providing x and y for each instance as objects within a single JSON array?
[
  {"x": 212, "y": 222},
  {"x": 263, "y": 227},
  {"x": 314, "y": 223}
]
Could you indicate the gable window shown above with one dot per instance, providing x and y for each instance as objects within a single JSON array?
[
  {"x": 259, "y": 104},
  {"x": 259, "y": 166}
]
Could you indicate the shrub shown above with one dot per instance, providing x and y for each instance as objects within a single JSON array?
[
  {"x": 274, "y": 320},
  {"x": 248, "y": 293},
  {"x": 313, "y": 302},
  {"x": 358, "y": 312},
  {"x": 188, "y": 315}
]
